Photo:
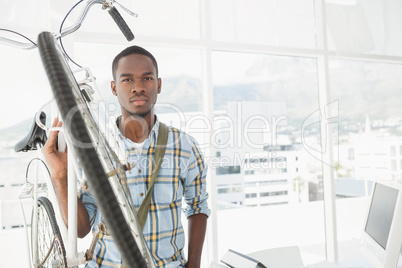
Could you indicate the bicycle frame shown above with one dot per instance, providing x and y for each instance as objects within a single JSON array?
[{"x": 74, "y": 257}]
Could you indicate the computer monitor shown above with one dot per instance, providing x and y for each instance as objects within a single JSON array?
[{"x": 382, "y": 234}]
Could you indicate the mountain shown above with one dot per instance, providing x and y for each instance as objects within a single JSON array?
[
  {"x": 185, "y": 92},
  {"x": 11, "y": 135},
  {"x": 299, "y": 93}
]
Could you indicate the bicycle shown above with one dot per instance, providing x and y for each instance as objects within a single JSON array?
[
  {"x": 102, "y": 170},
  {"x": 50, "y": 247}
]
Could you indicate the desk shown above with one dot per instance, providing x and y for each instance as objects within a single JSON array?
[
  {"x": 283, "y": 257},
  {"x": 290, "y": 257},
  {"x": 350, "y": 255},
  {"x": 350, "y": 263}
]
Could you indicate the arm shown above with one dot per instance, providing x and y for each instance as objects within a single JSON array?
[
  {"x": 197, "y": 210},
  {"x": 197, "y": 225},
  {"x": 57, "y": 162}
]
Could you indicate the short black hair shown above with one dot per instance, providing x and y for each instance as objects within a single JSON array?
[{"x": 129, "y": 51}]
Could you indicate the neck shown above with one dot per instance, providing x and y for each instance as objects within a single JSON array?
[{"x": 136, "y": 128}]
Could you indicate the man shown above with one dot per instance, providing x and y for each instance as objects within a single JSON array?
[{"x": 136, "y": 85}]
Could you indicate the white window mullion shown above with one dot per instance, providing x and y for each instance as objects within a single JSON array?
[
  {"x": 331, "y": 242},
  {"x": 208, "y": 109}
]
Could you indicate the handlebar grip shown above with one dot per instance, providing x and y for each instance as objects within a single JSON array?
[{"x": 121, "y": 23}]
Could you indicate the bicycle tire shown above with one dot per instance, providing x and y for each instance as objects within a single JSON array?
[
  {"x": 47, "y": 234},
  {"x": 68, "y": 98}
]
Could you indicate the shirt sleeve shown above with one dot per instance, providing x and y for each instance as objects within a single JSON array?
[
  {"x": 89, "y": 203},
  {"x": 195, "y": 193}
]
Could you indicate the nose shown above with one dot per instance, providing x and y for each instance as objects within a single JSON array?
[{"x": 138, "y": 86}]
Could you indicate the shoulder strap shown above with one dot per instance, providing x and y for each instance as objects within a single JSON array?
[{"x": 159, "y": 153}]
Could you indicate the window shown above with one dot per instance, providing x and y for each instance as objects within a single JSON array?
[
  {"x": 265, "y": 97},
  {"x": 228, "y": 170},
  {"x": 266, "y": 85},
  {"x": 181, "y": 19},
  {"x": 393, "y": 165},
  {"x": 393, "y": 150},
  {"x": 288, "y": 24},
  {"x": 249, "y": 172},
  {"x": 273, "y": 193},
  {"x": 25, "y": 14},
  {"x": 359, "y": 87},
  {"x": 370, "y": 32},
  {"x": 230, "y": 190}
]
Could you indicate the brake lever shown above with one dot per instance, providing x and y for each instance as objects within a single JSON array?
[{"x": 135, "y": 15}]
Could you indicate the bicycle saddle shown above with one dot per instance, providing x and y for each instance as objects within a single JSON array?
[{"x": 36, "y": 135}]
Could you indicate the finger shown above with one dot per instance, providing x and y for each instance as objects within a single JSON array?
[
  {"x": 53, "y": 134},
  {"x": 55, "y": 121}
]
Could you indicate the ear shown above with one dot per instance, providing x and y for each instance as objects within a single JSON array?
[
  {"x": 113, "y": 87},
  {"x": 159, "y": 85}
]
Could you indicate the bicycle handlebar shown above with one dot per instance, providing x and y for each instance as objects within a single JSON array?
[
  {"x": 121, "y": 23},
  {"x": 106, "y": 4},
  {"x": 16, "y": 44}
]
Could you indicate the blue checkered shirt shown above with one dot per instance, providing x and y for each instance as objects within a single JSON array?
[{"x": 182, "y": 177}]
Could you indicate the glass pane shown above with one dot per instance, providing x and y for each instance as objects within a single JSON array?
[
  {"x": 368, "y": 94},
  {"x": 371, "y": 27},
  {"x": 173, "y": 19},
  {"x": 24, "y": 14},
  {"x": 24, "y": 83},
  {"x": 266, "y": 178},
  {"x": 25, "y": 89},
  {"x": 287, "y": 23}
]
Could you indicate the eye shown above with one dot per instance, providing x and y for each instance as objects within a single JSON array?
[
  {"x": 148, "y": 78},
  {"x": 127, "y": 80}
]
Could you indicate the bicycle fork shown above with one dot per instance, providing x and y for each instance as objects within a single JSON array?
[{"x": 73, "y": 256}]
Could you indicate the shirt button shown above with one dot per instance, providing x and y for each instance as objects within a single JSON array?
[
  {"x": 139, "y": 171},
  {"x": 141, "y": 194}
]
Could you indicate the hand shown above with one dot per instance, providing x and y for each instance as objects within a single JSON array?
[{"x": 57, "y": 161}]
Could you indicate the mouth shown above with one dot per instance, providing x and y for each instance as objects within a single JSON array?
[{"x": 138, "y": 102}]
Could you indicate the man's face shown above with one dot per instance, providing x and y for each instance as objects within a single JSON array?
[{"x": 137, "y": 85}]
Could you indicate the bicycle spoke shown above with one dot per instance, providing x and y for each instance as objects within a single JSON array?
[
  {"x": 50, "y": 247},
  {"x": 43, "y": 234}
]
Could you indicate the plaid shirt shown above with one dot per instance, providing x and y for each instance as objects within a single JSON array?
[{"x": 182, "y": 174}]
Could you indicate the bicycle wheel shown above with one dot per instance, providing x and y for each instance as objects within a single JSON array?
[
  {"x": 79, "y": 124},
  {"x": 50, "y": 247}
]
